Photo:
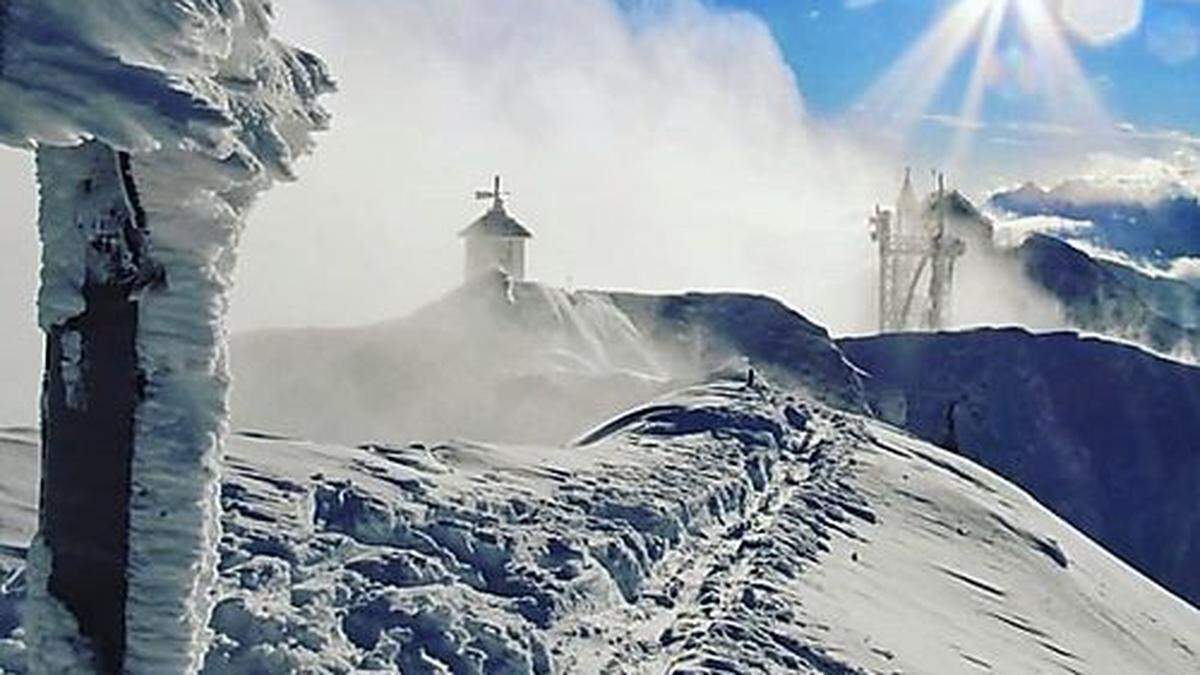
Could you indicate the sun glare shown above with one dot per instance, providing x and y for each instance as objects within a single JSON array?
[{"x": 1026, "y": 43}]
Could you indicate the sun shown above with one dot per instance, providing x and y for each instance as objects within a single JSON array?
[{"x": 1049, "y": 70}]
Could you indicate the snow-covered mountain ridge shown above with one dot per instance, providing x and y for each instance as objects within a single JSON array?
[
  {"x": 723, "y": 528},
  {"x": 520, "y": 362},
  {"x": 1026, "y": 269},
  {"x": 1116, "y": 300},
  {"x": 1103, "y": 434},
  {"x": 541, "y": 366}
]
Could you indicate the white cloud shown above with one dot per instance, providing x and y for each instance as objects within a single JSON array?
[
  {"x": 1177, "y": 137},
  {"x": 1144, "y": 178},
  {"x": 1033, "y": 128},
  {"x": 1011, "y": 232},
  {"x": 1020, "y": 128},
  {"x": 669, "y": 151},
  {"x": 953, "y": 121},
  {"x": 1185, "y": 269},
  {"x": 666, "y": 151}
]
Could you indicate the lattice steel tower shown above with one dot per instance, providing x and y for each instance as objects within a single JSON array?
[{"x": 914, "y": 247}]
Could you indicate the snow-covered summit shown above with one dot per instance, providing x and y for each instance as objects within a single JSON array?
[
  {"x": 521, "y": 362},
  {"x": 726, "y": 527},
  {"x": 1141, "y": 188}
]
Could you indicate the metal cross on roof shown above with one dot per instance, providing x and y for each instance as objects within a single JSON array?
[{"x": 496, "y": 194}]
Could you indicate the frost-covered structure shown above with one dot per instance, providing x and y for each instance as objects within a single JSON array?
[
  {"x": 155, "y": 125},
  {"x": 914, "y": 243},
  {"x": 495, "y": 240}
]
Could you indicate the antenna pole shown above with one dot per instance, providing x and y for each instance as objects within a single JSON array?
[
  {"x": 941, "y": 204},
  {"x": 939, "y": 283}
]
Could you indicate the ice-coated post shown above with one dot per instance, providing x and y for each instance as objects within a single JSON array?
[{"x": 148, "y": 163}]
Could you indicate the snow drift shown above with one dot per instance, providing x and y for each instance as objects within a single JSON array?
[
  {"x": 725, "y": 527},
  {"x": 540, "y": 366}
]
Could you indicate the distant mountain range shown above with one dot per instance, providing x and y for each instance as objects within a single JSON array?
[
  {"x": 1111, "y": 299},
  {"x": 1092, "y": 294},
  {"x": 1152, "y": 223}
]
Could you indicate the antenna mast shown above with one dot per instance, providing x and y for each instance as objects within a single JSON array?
[{"x": 911, "y": 240}]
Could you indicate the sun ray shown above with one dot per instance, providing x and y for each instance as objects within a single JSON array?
[
  {"x": 892, "y": 108},
  {"x": 903, "y": 95},
  {"x": 985, "y": 59},
  {"x": 1070, "y": 99}
]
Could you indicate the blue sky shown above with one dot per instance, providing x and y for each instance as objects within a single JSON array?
[{"x": 838, "y": 51}]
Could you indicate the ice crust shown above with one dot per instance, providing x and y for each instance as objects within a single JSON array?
[
  {"x": 144, "y": 74},
  {"x": 72, "y": 71}
]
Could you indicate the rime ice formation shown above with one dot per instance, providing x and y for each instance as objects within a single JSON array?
[
  {"x": 130, "y": 72},
  {"x": 156, "y": 124}
]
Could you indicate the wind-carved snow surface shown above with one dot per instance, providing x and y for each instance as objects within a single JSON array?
[
  {"x": 722, "y": 528},
  {"x": 196, "y": 109},
  {"x": 725, "y": 528}
]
